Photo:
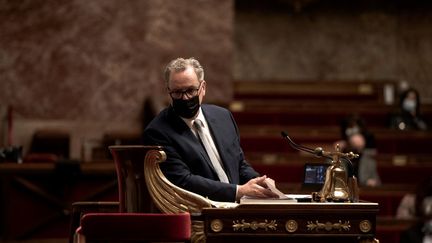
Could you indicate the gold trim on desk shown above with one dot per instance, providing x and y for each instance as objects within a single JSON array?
[
  {"x": 291, "y": 226},
  {"x": 254, "y": 225},
  {"x": 216, "y": 225},
  {"x": 365, "y": 226},
  {"x": 328, "y": 226}
]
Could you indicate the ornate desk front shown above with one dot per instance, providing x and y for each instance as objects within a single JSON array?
[{"x": 295, "y": 222}]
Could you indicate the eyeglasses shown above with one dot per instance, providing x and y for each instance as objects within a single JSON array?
[{"x": 189, "y": 93}]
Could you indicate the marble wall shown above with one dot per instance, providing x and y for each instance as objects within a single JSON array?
[
  {"x": 82, "y": 65},
  {"x": 99, "y": 59},
  {"x": 369, "y": 41}
]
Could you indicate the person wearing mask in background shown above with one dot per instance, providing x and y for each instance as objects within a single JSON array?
[
  {"x": 356, "y": 138},
  {"x": 355, "y": 124},
  {"x": 417, "y": 206},
  {"x": 408, "y": 117},
  {"x": 201, "y": 140}
]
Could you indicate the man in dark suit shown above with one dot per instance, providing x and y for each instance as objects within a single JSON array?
[{"x": 201, "y": 141}]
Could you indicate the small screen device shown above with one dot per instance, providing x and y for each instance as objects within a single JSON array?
[{"x": 314, "y": 175}]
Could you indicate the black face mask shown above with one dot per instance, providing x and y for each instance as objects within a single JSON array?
[{"x": 186, "y": 108}]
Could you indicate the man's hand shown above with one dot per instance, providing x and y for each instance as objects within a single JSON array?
[{"x": 256, "y": 188}]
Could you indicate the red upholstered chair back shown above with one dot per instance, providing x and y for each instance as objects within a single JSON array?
[{"x": 134, "y": 196}]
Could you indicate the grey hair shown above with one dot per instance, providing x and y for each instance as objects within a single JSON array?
[{"x": 180, "y": 64}]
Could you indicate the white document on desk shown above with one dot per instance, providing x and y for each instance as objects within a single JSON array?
[
  {"x": 255, "y": 200},
  {"x": 282, "y": 199},
  {"x": 270, "y": 185}
]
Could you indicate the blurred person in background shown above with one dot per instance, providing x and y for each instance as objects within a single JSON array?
[
  {"x": 356, "y": 138},
  {"x": 417, "y": 205},
  {"x": 408, "y": 117}
]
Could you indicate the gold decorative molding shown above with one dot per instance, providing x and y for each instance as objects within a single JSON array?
[
  {"x": 254, "y": 225},
  {"x": 197, "y": 234},
  {"x": 328, "y": 226},
  {"x": 170, "y": 198},
  {"x": 365, "y": 226},
  {"x": 216, "y": 225},
  {"x": 291, "y": 226},
  {"x": 369, "y": 240}
]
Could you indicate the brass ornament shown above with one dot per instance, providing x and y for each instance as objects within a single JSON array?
[
  {"x": 170, "y": 198},
  {"x": 365, "y": 226},
  {"x": 197, "y": 231},
  {"x": 216, "y": 225},
  {"x": 337, "y": 186},
  {"x": 328, "y": 226},
  {"x": 291, "y": 226},
  {"x": 369, "y": 240},
  {"x": 254, "y": 225}
]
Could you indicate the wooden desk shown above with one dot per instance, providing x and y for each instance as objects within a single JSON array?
[{"x": 299, "y": 222}]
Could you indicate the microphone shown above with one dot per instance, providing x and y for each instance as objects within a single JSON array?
[{"x": 319, "y": 152}]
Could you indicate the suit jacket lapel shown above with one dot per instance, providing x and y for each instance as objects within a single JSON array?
[
  {"x": 215, "y": 129},
  {"x": 183, "y": 130}
]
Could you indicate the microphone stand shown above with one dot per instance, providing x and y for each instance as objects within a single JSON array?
[
  {"x": 338, "y": 186},
  {"x": 317, "y": 151}
]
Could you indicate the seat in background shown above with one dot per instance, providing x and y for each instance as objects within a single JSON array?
[{"x": 48, "y": 145}]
